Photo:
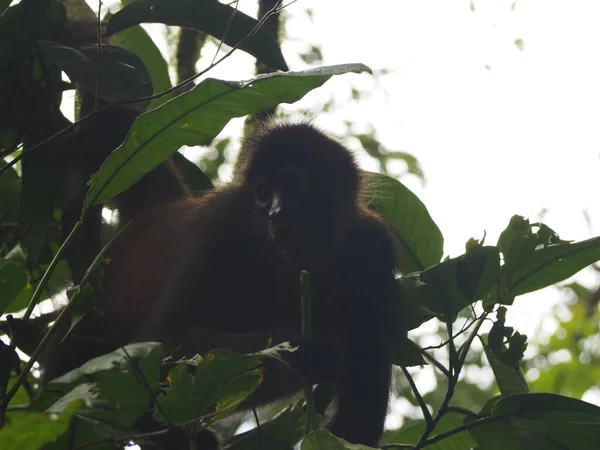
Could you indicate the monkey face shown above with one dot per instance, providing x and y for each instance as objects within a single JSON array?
[{"x": 283, "y": 199}]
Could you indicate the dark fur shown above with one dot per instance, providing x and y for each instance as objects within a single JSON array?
[{"x": 215, "y": 263}]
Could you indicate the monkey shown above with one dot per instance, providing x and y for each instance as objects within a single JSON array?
[{"x": 229, "y": 262}]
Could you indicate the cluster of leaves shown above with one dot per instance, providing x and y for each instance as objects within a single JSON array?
[{"x": 101, "y": 404}]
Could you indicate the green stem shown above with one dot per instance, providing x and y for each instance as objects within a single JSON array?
[
  {"x": 305, "y": 304},
  {"x": 34, "y": 299}
]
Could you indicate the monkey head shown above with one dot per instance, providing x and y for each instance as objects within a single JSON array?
[{"x": 304, "y": 183}]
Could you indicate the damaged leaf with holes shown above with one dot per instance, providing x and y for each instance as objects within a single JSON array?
[{"x": 210, "y": 389}]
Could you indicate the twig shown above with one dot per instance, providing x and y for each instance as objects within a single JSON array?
[
  {"x": 436, "y": 363},
  {"x": 258, "y": 430},
  {"x": 226, "y": 31},
  {"x": 465, "y": 411},
  {"x": 99, "y": 71},
  {"x": 418, "y": 396},
  {"x": 53, "y": 329}
]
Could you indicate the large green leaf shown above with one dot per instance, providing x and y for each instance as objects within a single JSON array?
[
  {"x": 549, "y": 265},
  {"x": 192, "y": 175},
  {"x": 222, "y": 380},
  {"x": 10, "y": 186},
  {"x": 323, "y": 439},
  {"x": 420, "y": 241},
  {"x": 494, "y": 435},
  {"x": 451, "y": 285},
  {"x": 137, "y": 41},
  {"x": 12, "y": 281},
  {"x": 124, "y": 380},
  {"x": 549, "y": 421},
  {"x": 281, "y": 432},
  {"x": 412, "y": 433},
  {"x": 195, "y": 118},
  {"x": 217, "y": 19},
  {"x": 34, "y": 431}
]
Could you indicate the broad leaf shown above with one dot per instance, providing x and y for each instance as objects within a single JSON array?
[
  {"x": 137, "y": 41},
  {"x": 510, "y": 379},
  {"x": 195, "y": 118},
  {"x": 323, "y": 439},
  {"x": 549, "y": 265},
  {"x": 549, "y": 421},
  {"x": 12, "y": 281},
  {"x": 420, "y": 241},
  {"x": 217, "y": 19},
  {"x": 281, "y": 432},
  {"x": 412, "y": 433},
  {"x": 452, "y": 285},
  {"x": 10, "y": 186},
  {"x": 192, "y": 176},
  {"x": 124, "y": 381},
  {"x": 222, "y": 380},
  {"x": 34, "y": 431}
]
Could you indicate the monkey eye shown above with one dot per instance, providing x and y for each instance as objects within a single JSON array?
[
  {"x": 292, "y": 181},
  {"x": 263, "y": 193}
]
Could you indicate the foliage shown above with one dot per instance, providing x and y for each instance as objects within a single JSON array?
[{"x": 44, "y": 207}]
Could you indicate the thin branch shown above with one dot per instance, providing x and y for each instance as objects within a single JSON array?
[
  {"x": 465, "y": 411},
  {"x": 53, "y": 329},
  {"x": 458, "y": 429},
  {"x": 436, "y": 363},
  {"x": 226, "y": 31},
  {"x": 418, "y": 396},
  {"x": 258, "y": 429},
  {"x": 12, "y": 147},
  {"x": 99, "y": 71}
]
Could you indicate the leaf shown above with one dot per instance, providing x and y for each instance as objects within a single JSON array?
[
  {"x": 123, "y": 74},
  {"x": 137, "y": 41},
  {"x": 420, "y": 241},
  {"x": 222, "y": 380},
  {"x": 21, "y": 301},
  {"x": 510, "y": 379},
  {"x": 443, "y": 286},
  {"x": 323, "y": 439},
  {"x": 4, "y": 4},
  {"x": 407, "y": 353},
  {"x": 520, "y": 44},
  {"x": 281, "y": 432},
  {"x": 193, "y": 177},
  {"x": 545, "y": 404},
  {"x": 124, "y": 382},
  {"x": 10, "y": 187},
  {"x": 409, "y": 315},
  {"x": 12, "y": 280},
  {"x": 412, "y": 433},
  {"x": 495, "y": 435},
  {"x": 549, "y": 265},
  {"x": 196, "y": 117},
  {"x": 33, "y": 431},
  {"x": 478, "y": 270},
  {"x": 217, "y": 19},
  {"x": 551, "y": 421}
]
